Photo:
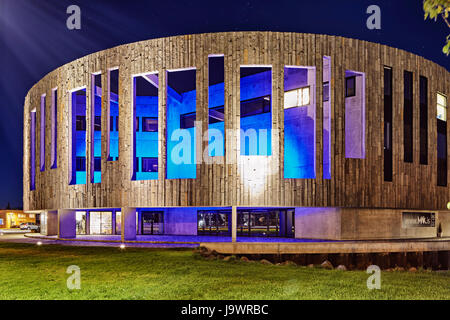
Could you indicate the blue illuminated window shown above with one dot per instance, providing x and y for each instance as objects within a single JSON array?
[
  {"x": 180, "y": 132},
  {"x": 299, "y": 123},
  {"x": 150, "y": 124},
  {"x": 145, "y": 137},
  {"x": 255, "y": 111},
  {"x": 78, "y": 137},
  {"x": 149, "y": 164},
  {"x": 54, "y": 127},
  {"x": 216, "y": 101},
  {"x": 97, "y": 164},
  {"x": 216, "y": 114},
  {"x": 32, "y": 150},
  {"x": 81, "y": 123},
  {"x": 326, "y": 104},
  {"x": 187, "y": 120},
  {"x": 113, "y": 112},
  {"x": 96, "y": 134},
  {"x": 80, "y": 163},
  {"x": 42, "y": 125},
  {"x": 98, "y": 123}
]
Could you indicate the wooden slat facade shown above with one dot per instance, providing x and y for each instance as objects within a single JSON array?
[{"x": 235, "y": 180}]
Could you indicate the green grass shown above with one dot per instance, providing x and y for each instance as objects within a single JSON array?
[{"x": 31, "y": 272}]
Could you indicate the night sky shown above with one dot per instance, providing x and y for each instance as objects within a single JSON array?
[{"x": 34, "y": 40}]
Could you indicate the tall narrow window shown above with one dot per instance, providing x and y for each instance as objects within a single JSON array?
[
  {"x": 216, "y": 96},
  {"x": 326, "y": 118},
  {"x": 78, "y": 141},
  {"x": 113, "y": 133},
  {"x": 42, "y": 133},
  {"x": 33, "y": 149},
  {"x": 145, "y": 141},
  {"x": 96, "y": 128},
  {"x": 299, "y": 122},
  {"x": 387, "y": 124},
  {"x": 441, "y": 140},
  {"x": 181, "y": 115},
  {"x": 423, "y": 120},
  {"x": 408, "y": 116},
  {"x": 54, "y": 128},
  {"x": 355, "y": 127},
  {"x": 256, "y": 111}
]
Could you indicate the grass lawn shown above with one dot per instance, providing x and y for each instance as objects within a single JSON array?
[{"x": 31, "y": 272}]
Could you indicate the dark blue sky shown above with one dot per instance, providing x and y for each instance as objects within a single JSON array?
[{"x": 34, "y": 40}]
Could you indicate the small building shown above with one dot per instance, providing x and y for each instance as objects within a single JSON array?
[{"x": 13, "y": 218}]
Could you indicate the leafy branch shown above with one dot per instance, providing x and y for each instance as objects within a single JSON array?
[{"x": 435, "y": 8}]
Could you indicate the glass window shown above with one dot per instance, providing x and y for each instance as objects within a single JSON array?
[
  {"x": 423, "y": 97},
  {"x": 441, "y": 107},
  {"x": 100, "y": 222},
  {"x": 266, "y": 223},
  {"x": 255, "y": 115},
  {"x": 355, "y": 96},
  {"x": 350, "y": 86},
  {"x": 81, "y": 123},
  {"x": 299, "y": 123},
  {"x": 118, "y": 222},
  {"x": 215, "y": 222},
  {"x": 80, "y": 222},
  {"x": 296, "y": 98},
  {"x": 149, "y": 124},
  {"x": 187, "y": 120},
  {"x": 442, "y": 140},
  {"x": 113, "y": 137},
  {"x": 408, "y": 116},
  {"x": 326, "y": 91},
  {"x": 216, "y": 101},
  {"x": 149, "y": 164},
  {"x": 97, "y": 164},
  {"x": 78, "y": 142},
  {"x": 42, "y": 126},
  {"x": 98, "y": 123},
  {"x": 387, "y": 124},
  {"x": 32, "y": 150},
  {"x": 180, "y": 133},
  {"x": 145, "y": 106},
  {"x": 54, "y": 127},
  {"x": 81, "y": 163},
  {"x": 326, "y": 133}
]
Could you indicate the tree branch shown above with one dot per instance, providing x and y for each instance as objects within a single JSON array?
[{"x": 446, "y": 21}]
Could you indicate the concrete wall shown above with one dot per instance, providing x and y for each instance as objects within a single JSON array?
[
  {"x": 362, "y": 224},
  {"x": 379, "y": 224},
  {"x": 444, "y": 220},
  {"x": 317, "y": 223}
]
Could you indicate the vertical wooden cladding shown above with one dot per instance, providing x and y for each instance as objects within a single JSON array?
[{"x": 353, "y": 183}]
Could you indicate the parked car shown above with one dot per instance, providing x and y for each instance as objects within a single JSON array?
[{"x": 29, "y": 226}]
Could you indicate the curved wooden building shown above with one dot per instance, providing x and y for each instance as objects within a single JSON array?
[{"x": 241, "y": 134}]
